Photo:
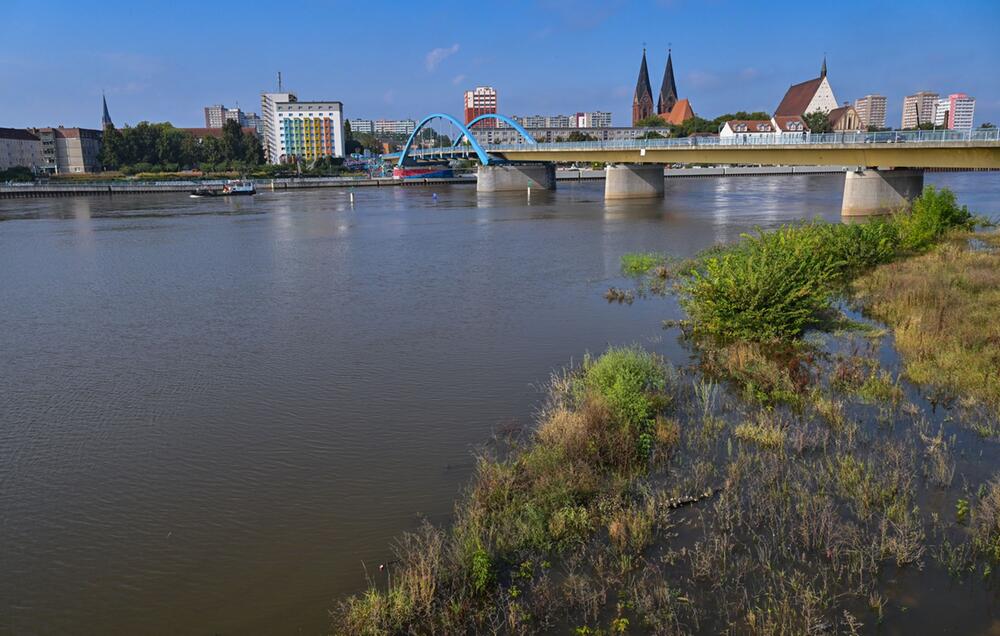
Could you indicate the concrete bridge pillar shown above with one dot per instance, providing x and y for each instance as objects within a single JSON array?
[
  {"x": 509, "y": 177},
  {"x": 633, "y": 181},
  {"x": 872, "y": 191}
]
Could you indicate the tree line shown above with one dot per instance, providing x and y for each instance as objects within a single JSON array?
[{"x": 159, "y": 147}]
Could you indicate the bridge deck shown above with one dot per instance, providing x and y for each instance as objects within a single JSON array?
[{"x": 913, "y": 149}]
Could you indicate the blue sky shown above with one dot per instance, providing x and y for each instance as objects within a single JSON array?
[{"x": 164, "y": 61}]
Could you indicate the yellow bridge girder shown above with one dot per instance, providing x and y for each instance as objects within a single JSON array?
[{"x": 971, "y": 154}]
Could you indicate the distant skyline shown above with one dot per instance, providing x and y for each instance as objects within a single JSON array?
[{"x": 399, "y": 60}]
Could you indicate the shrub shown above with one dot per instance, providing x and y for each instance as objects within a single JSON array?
[
  {"x": 932, "y": 214},
  {"x": 770, "y": 286},
  {"x": 630, "y": 381}
]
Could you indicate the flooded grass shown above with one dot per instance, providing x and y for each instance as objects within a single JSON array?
[{"x": 780, "y": 485}]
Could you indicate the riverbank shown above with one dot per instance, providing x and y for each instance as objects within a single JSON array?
[{"x": 786, "y": 484}]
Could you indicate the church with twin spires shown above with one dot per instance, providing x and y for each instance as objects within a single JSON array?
[{"x": 668, "y": 107}]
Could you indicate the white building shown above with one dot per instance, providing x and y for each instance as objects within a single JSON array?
[
  {"x": 595, "y": 119},
  {"x": 308, "y": 130},
  {"x": 269, "y": 113},
  {"x": 394, "y": 126},
  {"x": 362, "y": 126},
  {"x": 808, "y": 97},
  {"x": 955, "y": 112},
  {"x": 742, "y": 129},
  {"x": 19, "y": 148}
]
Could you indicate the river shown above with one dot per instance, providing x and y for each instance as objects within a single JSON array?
[{"x": 214, "y": 411}]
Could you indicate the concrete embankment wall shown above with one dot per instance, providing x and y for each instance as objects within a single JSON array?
[{"x": 152, "y": 187}]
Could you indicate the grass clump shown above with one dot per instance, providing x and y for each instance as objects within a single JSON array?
[{"x": 635, "y": 264}]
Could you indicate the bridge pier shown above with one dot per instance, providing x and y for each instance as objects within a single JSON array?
[
  {"x": 871, "y": 191},
  {"x": 633, "y": 181},
  {"x": 511, "y": 178}
]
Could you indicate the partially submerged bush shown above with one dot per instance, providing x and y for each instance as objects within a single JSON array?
[
  {"x": 933, "y": 213},
  {"x": 777, "y": 284},
  {"x": 630, "y": 382},
  {"x": 638, "y": 263}
]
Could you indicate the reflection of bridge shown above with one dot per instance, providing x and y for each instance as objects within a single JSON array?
[{"x": 890, "y": 164}]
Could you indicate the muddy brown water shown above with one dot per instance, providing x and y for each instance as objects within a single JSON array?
[{"x": 214, "y": 412}]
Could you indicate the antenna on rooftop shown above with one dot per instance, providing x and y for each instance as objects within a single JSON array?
[{"x": 279, "y": 81}]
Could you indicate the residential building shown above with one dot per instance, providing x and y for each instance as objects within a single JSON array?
[
  {"x": 955, "y": 112},
  {"x": 607, "y": 133},
  {"x": 642, "y": 99},
  {"x": 217, "y": 115},
  {"x": 394, "y": 126},
  {"x": 778, "y": 127},
  {"x": 744, "y": 128},
  {"x": 481, "y": 101},
  {"x": 919, "y": 108},
  {"x": 20, "y": 148},
  {"x": 269, "y": 113},
  {"x": 808, "y": 97},
  {"x": 362, "y": 126},
  {"x": 308, "y": 130},
  {"x": 871, "y": 110},
  {"x": 595, "y": 119},
  {"x": 70, "y": 150}
]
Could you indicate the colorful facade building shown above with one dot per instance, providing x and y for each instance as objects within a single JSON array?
[{"x": 309, "y": 130}]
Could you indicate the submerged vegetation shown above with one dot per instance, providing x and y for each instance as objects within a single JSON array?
[{"x": 782, "y": 485}]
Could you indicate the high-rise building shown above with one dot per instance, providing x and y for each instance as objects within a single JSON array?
[
  {"x": 955, "y": 112},
  {"x": 642, "y": 100},
  {"x": 871, "y": 110},
  {"x": 217, "y": 115},
  {"x": 269, "y": 113},
  {"x": 308, "y": 130},
  {"x": 481, "y": 101},
  {"x": 919, "y": 108}
]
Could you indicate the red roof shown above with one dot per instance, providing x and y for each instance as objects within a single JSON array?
[
  {"x": 679, "y": 113},
  {"x": 797, "y": 98},
  {"x": 783, "y": 122}
]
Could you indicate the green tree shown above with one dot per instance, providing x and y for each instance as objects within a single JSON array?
[
  {"x": 653, "y": 121},
  {"x": 232, "y": 141},
  {"x": 576, "y": 135},
  {"x": 818, "y": 122},
  {"x": 111, "y": 148},
  {"x": 987, "y": 124}
]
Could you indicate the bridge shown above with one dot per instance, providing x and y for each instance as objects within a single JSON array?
[{"x": 889, "y": 164}]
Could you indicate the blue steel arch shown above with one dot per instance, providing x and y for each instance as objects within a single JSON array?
[
  {"x": 483, "y": 157},
  {"x": 507, "y": 120}
]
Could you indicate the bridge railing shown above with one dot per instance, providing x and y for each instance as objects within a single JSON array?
[{"x": 746, "y": 139}]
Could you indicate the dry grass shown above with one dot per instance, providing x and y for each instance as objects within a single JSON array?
[{"x": 943, "y": 307}]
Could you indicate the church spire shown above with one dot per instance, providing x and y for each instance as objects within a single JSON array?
[
  {"x": 106, "y": 117},
  {"x": 668, "y": 90},
  {"x": 822, "y": 71},
  {"x": 642, "y": 102}
]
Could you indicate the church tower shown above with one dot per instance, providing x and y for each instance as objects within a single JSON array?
[
  {"x": 668, "y": 90},
  {"x": 642, "y": 102},
  {"x": 106, "y": 117}
]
